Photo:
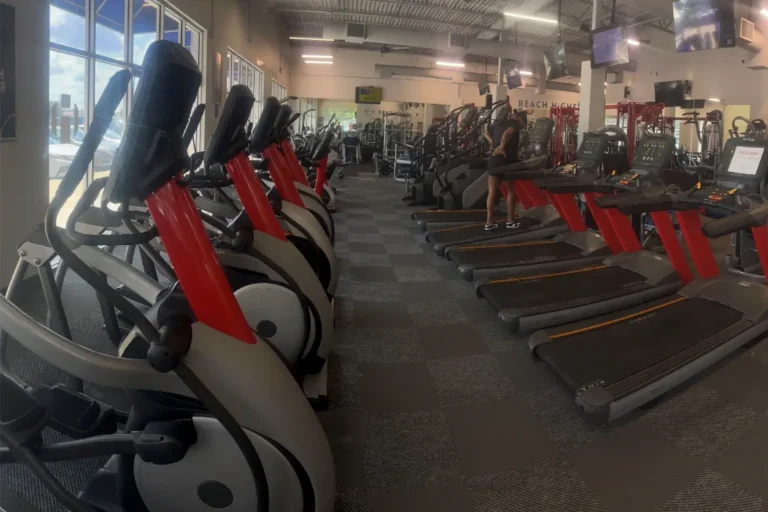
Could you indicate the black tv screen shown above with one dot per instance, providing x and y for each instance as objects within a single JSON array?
[
  {"x": 512, "y": 73},
  {"x": 671, "y": 94},
  {"x": 609, "y": 46},
  {"x": 483, "y": 86},
  {"x": 704, "y": 25},
  {"x": 555, "y": 62}
]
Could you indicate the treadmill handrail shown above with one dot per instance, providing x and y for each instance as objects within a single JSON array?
[{"x": 753, "y": 217}]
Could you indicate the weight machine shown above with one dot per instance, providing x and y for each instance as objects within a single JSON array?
[
  {"x": 565, "y": 137},
  {"x": 637, "y": 120}
]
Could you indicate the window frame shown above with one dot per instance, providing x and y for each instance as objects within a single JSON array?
[
  {"x": 258, "y": 80},
  {"x": 92, "y": 57}
]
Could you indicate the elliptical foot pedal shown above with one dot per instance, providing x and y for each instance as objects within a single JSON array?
[
  {"x": 22, "y": 417},
  {"x": 75, "y": 414}
]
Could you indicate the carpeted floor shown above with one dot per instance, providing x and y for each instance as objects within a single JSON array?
[{"x": 434, "y": 407}]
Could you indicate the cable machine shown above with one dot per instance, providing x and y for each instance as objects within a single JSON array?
[
  {"x": 565, "y": 137},
  {"x": 637, "y": 120}
]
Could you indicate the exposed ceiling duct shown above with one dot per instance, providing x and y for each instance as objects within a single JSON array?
[
  {"x": 388, "y": 71},
  {"x": 529, "y": 56}
]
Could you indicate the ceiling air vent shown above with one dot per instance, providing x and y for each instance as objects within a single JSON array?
[
  {"x": 457, "y": 41},
  {"x": 355, "y": 33}
]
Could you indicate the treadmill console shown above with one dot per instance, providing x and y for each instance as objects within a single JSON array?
[
  {"x": 743, "y": 165},
  {"x": 541, "y": 135},
  {"x": 654, "y": 152},
  {"x": 591, "y": 150},
  {"x": 739, "y": 177},
  {"x": 652, "y": 156}
]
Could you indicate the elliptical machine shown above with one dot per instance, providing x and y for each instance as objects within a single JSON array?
[{"x": 216, "y": 421}]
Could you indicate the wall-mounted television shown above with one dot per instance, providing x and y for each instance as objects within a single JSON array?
[
  {"x": 609, "y": 46},
  {"x": 368, "y": 95},
  {"x": 555, "y": 62},
  {"x": 483, "y": 86},
  {"x": 672, "y": 94},
  {"x": 511, "y": 70},
  {"x": 704, "y": 25}
]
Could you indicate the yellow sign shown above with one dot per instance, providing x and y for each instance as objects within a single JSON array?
[{"x": 368, "y": 95}]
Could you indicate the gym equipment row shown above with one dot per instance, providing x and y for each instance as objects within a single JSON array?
[
  {"x": 620, "y": 323},
  {"x": 223, "y": 366}
]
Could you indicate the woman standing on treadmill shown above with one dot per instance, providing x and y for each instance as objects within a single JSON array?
[{"x": 504, "y": 137}]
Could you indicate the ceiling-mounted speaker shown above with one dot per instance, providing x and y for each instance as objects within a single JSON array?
[
  {"x": 355, "y": 33},
  {"x": 747, "y": 30}
]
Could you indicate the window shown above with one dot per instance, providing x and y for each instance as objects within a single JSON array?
[
  {"x": 278, "y": 91},
  {"x": 91, "y": 40},
  {"x": 240, "y": 71}
]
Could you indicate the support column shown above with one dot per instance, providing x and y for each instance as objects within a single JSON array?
[{"x": 592, "y": 96}]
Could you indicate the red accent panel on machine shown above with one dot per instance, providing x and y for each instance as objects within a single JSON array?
[
  {"x": 623, "y": 229},
  {"x": 760, "y": 233},
  {"x": 254, "y": 198},
  {"x": 281, "y": 176},
  {"x": 674, "y": 250},
  {"x": 293, "y": 163},
  {"x": 321, "y": 178},
  {"x": 200, "y": 275},
  {"x": 603, "y": 223},
  {"x": 698, "y": 246}
]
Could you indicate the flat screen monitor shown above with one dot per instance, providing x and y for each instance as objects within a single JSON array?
[
  {"x": 555, "y": 62},
  {"x": 703, "y": 25},
  {"x": 609, "y": 47},
  {"x": 482, "y": 86},
  {"x": 511, "y": 70},
  {"x": 368, "y": 95},
  {"x": 746, "y": 160},
  {"x": 671, "y": 94}
]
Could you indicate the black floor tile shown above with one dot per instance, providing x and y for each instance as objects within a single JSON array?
[
  {"x": 634, "y": 469},
  {"x": 444, "y": 341},
  {"x": 497, "y": 436},
  {"x": 434, "y": 290},
  {"x": 396, "y": 387},
  {"x": 409, "y": 260},
  {"x": 366, "y": 247},
  {"x": 373, "y": 274},
  {"x": 344, "y": 432},
  {"x": 451, "y": 497},
  {"x": 381, "y": 315}
]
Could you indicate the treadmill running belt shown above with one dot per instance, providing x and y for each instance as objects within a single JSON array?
[
  {"x": 616, "y": 352},
  {"x": 509, "y": 255},
  {"x": 561, "y": 288},
  {"x": 477, "y": 232}
]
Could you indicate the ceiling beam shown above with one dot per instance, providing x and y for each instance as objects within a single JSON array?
[
  {"x": 381, "y": 15},
  {"x": 567, "y": 24},
  {"x": 449, "y": 10}
]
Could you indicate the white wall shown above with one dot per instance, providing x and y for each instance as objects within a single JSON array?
[
  {"x": 715, "y": 74},
  {"x": 24, "y": 162},
  {"x": 354, "y": 68},
  {"x": 254, "y": 33}
]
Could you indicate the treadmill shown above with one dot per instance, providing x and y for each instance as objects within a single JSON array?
[
  {"x": 618, "y": 362},
  {"x": 540, "y": 219},
  {"x": 538, "y": 300},
  {"x": 571, "y": 249}
]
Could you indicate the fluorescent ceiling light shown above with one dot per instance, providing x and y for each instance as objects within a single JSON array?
[
  {"x": 317, "y": 56},
  {"x": 450, "y": 64},
  {"x": 714, "y": 100},
  {"x": 530, "y": 18},
  {"x": 764, "y": 12},
  {"x": 302, "y": 38},
  {"x": 633, "y": 42},
  {"x": 526, "y": 73},
  {"x": 318, "y": 62},
  {"x": 579, "y": 84}
]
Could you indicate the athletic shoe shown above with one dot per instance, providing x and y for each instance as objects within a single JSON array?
[
  {"x": 491, "y": 227},
  {"x": 513, "y": 225}
]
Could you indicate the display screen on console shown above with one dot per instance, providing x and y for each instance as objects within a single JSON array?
[{"x": 746, "y": 160}]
